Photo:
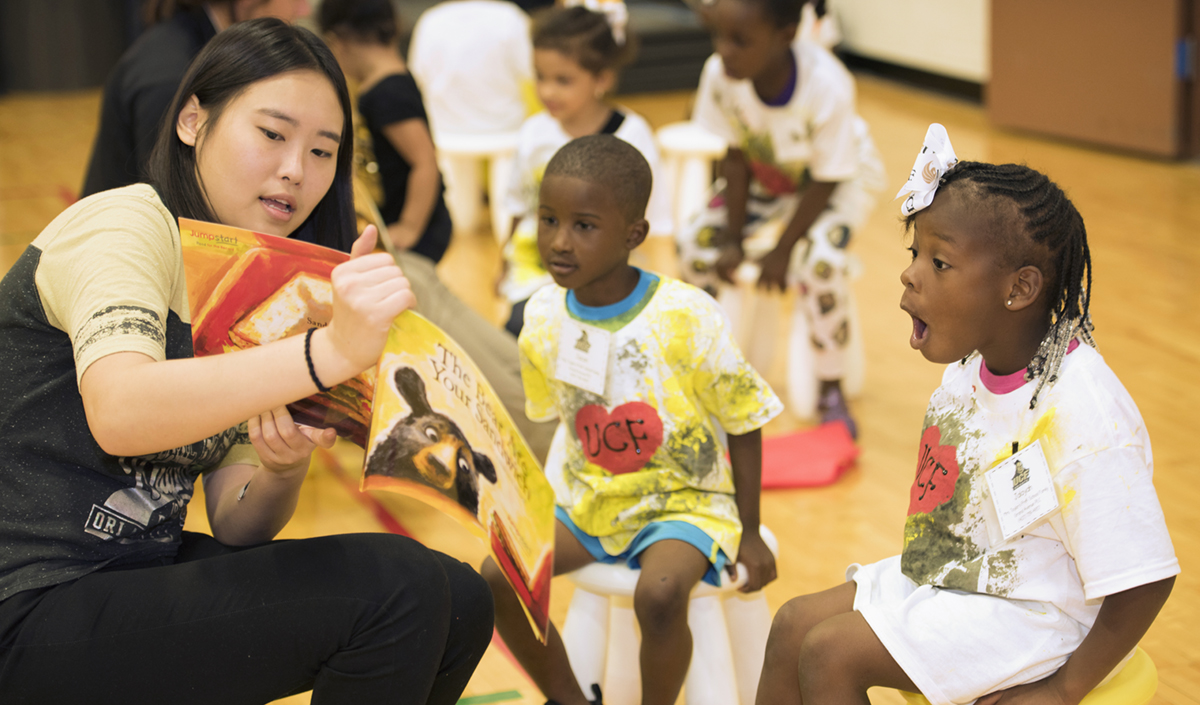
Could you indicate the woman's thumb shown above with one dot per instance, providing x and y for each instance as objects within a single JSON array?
[{"x": 365, "y": 244}]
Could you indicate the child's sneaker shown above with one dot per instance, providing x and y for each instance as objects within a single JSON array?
[
  {"x": 833, "y": 408},
  {"x": 598, "y": 700}
]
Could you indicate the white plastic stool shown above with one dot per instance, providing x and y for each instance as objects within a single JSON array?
[
  {"x": 755, "y": 317},
  {"x": 729, "y": 636},
  {"x": 459, "y": 156},
  {"x": 688, "y": 152}
]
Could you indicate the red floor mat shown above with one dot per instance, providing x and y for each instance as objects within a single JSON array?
[{"x": 809, "y": 458}]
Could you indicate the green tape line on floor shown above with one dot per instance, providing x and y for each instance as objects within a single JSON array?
[{"x": 502, "y": 696}]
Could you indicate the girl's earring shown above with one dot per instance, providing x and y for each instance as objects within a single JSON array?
[{"x": 1009, "y": 303}]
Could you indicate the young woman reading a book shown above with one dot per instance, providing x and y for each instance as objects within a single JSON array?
[{"x": 108, "y": 420}]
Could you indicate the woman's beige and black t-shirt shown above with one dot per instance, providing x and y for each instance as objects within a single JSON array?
[{"x": 106, "y": 276}]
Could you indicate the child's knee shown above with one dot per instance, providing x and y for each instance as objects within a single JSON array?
[
  {"x": 789, "y": 622},
  {"x": 660, "y": 602},
  {"x": 822, "y": 652}
]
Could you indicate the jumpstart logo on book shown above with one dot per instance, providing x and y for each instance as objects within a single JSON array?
[{"x": 214, "y": 239}]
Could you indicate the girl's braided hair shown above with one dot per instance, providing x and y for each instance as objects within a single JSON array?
[{"x": 1049, "y": 220}]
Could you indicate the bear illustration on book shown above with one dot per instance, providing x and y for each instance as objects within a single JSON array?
[{"x": 428, "y": 447}]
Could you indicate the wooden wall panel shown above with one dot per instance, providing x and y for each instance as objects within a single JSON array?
[{"x": 1100, "y": 71}]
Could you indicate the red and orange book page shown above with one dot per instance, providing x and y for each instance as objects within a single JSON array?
[{"x": 247, "y": 289}]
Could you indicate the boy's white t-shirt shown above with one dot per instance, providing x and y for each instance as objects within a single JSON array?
[
  {"x": 813, "y": 135},
  {"x": 472, "y": 60},
  {"x": 1109, "y": 535}
]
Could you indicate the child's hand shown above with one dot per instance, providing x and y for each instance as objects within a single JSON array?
[
  {"x": 758, "y": 559},
  {"x": 284, "y": 446},
  {"x": 773, "y": 268},
  {"x": 369, "y": 291},
  {"x": 728, "y": 261}
]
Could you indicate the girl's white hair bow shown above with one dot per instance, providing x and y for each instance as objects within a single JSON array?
[
  {"x": 613, "y": 10},
  {"x": 936, "y": 157}
]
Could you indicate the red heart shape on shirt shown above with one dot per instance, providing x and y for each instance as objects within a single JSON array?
[
  {"x": 937, "y": 473},
  {"x": 622, "y": 440}
]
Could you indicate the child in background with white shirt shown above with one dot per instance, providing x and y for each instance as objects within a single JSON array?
[{"x": 800, "y": 174}]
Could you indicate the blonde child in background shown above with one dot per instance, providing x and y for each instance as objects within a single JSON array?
[
  {"x": 363, "y": 36},
  {"x": 800, "y": 175},
  {"x": 987, "y": 601},
  {"x": 576, "y": 56},
  {"x": 639, "y": 461}
]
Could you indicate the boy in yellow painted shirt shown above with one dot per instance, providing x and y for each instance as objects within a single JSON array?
[{"x": 640, "y": 370}]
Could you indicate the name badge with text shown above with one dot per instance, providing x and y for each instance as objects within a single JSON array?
[
  {"x": 1022, "y": 490},
  {"x": 582, "y": 355}
]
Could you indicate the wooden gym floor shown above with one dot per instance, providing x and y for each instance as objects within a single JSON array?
[{"x": 1143, "y": 218}]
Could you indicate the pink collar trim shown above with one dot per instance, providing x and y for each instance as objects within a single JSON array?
[{"x": 1003, "y": 384}]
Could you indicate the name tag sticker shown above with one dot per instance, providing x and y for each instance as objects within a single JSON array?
[
  {"x": 1022, "y": 490},
  {"x": 582, "y": 355}
]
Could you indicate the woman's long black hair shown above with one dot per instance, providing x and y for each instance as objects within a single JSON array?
[{"x": 235, "y": 59}]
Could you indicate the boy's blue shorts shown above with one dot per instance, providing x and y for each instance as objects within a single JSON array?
[{"x": 652, "y": 533}]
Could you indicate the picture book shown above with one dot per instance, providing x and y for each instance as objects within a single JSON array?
[{"x": 431, "y": 425}]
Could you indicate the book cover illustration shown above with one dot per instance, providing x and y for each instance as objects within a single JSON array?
[
  {"x": 440, "y": 433},
  {"x": 431, "y": 425}
]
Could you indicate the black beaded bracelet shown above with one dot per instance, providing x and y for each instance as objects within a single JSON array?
[{"x": 312, "y": 372}]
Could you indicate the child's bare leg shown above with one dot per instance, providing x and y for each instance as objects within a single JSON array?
[
  {"x": 546, "y": 664},
  {"x": 780, "y": 681},
  {"x": 841, "y": 658},
  {"x": 829, "y": 385},
  {"x": 669, "y": 571},
  {"x": 821, "y": 650}
]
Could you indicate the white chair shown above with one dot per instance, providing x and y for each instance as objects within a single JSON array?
[
  {"x": 688, "y": 152},
  {"x": 459, "y": 157},
  {"x": 729, "y": 636}
]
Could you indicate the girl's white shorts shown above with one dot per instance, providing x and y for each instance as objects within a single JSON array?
[{"x": 959, "y": 646}]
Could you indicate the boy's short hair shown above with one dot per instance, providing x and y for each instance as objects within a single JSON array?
[{"x": 612, "y": 163}]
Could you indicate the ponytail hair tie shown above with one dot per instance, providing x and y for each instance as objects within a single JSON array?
[
  {"x": 614, "y": 11},
  {"x": 934, "y": 160}
]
